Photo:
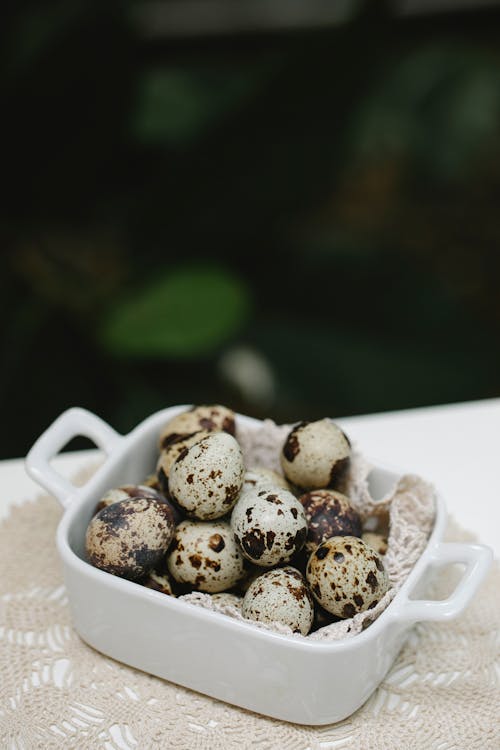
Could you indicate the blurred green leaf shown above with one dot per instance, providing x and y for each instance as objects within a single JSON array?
[
  {"x": 186, "y": 313},
  {"x": 438, "y": 107},
  {"x": 176, "y": 105}
]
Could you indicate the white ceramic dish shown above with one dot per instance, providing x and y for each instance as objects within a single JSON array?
[{"x": 307, "y": 682}]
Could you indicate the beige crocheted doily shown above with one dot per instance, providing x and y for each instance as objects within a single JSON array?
[{"x": 56, "y": 692}]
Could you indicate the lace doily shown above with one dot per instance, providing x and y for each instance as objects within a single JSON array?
[{"x": 56, "y": 692}]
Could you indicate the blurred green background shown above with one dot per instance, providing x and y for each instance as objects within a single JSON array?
[{"x": 293, "y": 215}]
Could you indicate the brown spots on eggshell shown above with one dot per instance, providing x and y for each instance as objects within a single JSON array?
[
  {"x": 291, "y": 448},
  {"x": 267, "y": 533},
  {"x": 212, "y": 418},
  {"x": 209, "y": 560},
  {"x": 216, "y": 542},
  {"x": 329, "y": 513},
  {"x": 378, "y": 542},
  {"x": 127, "y": 491},
  {"x": 205, "y": 480},
  {"x": 267, "y": 479},
  {"x": 129, "y": 537},
  {"x": 158, "y": 582},
  {"x": 280, "y": 595},
  {"x": 316, "y": 455},
  {"x": 346, "y": 576}
]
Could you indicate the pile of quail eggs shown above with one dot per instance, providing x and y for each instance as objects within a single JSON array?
[{"x": 285, "y": 548}]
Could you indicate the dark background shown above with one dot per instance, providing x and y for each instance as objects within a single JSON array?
[{"x": 296, "y": 215}]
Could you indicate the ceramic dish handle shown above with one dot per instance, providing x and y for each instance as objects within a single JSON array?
[
  {"x": 477, "y": 560},
  {"x": 68, "y": 425}
]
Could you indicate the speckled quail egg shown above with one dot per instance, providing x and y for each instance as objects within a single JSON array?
[
  {"x": 152, "y": 481},
  {"x": 346, "y": 576},
  {"x": 378, "y": 542},
  {"x": 210, "y": 418},
  {"x": 227, "y": 599},
  {"x": 205, "y": 555},
  {"x": 171, "y": 453},
  {"x": 129, "y": 538},
  {"x": 159, "y": 582},
  {"x": 206, "y": 479},
  {"x": 316, "y": 455},
  {"x": 269, "y": 525},
  {"x": 328, "y": 514},
  {"x": 280, "y": 595},
  {"x": 127, "y": 491},
  {"x": 264, "y": 477}
]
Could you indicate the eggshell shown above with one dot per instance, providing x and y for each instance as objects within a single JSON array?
[
  {"x": 209, "y": 418},
  {"x": 280, "y": 595},
  {"x": 316, "y": 455},
  {"x": 127, "y": 491},
  {"x": 158, "y": 582},
  {"x": 329, "y": 513},
  {"x": 205, "y": 556},
  {"x": 129, "y": 537},
  {"x": 265, "y": 478},
  {"x": 152, "y": 481},
  {"x": 269, "y": 525},
  {"x": 226, "y": 599},
  {"x": 346, "y": 576},
  {"x": 378, "y": 542},
  {"x": 205, "y": 479},
  {"x": 171, "y": 453}
]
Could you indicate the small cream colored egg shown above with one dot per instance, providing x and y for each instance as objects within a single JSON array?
[
  {"x": 346, "y": 576},
  {"x": 264, "y": 477},
  {"x": 206, "y": 479},
  {"x": 205, "y": 556},
  {"x": 209, "y": 418},
  {"x": 316, "y": 455},
  {"x": 280, "y": 595},
  {"x": 269, "y": 525},
  {"x": 171, "y": 453},
  {"x": 130, "y": 537},
  {"x": 227, "y": 600},
  {"x": 158, "y": 582},
  {"x": 378, "y": 542},
  {"x": 126, "y": 491},
  {"x": 329, "y": 513}
]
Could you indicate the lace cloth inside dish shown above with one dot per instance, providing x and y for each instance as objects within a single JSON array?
[{"x": 409, "y": 508}]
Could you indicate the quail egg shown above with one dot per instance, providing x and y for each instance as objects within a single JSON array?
[
  {"x": 264, "y": 477},
  {"x": 316, "y": 455},
  {"x": 152, "y": 481},
  {"x": 227, "y": 599},
  {"x": 205, "y": 555},
  {"x": 129, "y": 537},
  {"x": 205, "y": 479},
  {"x": 210, "y": 418},
  {"x": 346, "y": 576},
  {"x": 378, "y": 542},
  {"x": 127, "y": 491},
  {"x": 280, "y": 595},
  {"x": 159, "y": 582},
  {"x": 269, "y": 525},
  {"x": 171, "y": 453},
  {"x": 328, "y": 514}
]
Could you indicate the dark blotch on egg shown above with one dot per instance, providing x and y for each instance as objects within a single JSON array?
[{"x": 329, "y": 514}]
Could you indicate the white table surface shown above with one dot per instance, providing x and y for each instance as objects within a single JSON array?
[{"x": 457, "y": 447}]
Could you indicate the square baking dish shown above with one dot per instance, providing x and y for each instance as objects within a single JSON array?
[{"x": 296, "y": 680}]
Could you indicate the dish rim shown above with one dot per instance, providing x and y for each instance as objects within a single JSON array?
[{"x": 106, "y": 580}]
